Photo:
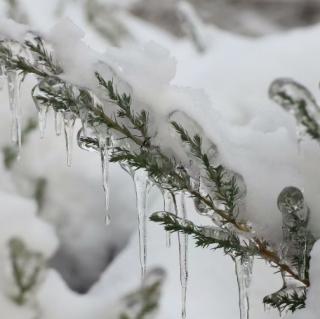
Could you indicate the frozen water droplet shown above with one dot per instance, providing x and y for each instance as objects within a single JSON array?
[
  {"x": 58, "y": 120},
  {"x": 179, "y": 204},
  {"x": 104, "y": 144},
  {"x": 87, "y": 143},
  {"x": 142, "y": 186},
  {"x": 14, "y": 82},
  {"x": 298, "y": 100},
  {"x": 243, "y": 268},
  {"x": 69, "y": 121},
  {"x": 297, "y": 239}
]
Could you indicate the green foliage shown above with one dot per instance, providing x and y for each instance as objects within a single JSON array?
[
  {"x": 139, "y": 152},
  {"x": 26, "y": 270},
  {"x": 10, "y": 152},
  {"x": 204, "y": 237},
  {"x": 283, "y": 300},
  {"x": 145, "y": 301}
]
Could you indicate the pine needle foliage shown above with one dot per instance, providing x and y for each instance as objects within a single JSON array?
[{"x": 140, "y": 152}]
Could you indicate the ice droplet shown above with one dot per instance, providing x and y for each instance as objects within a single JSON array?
[
  {"x": 41, "y": 107},
  {"x": 299, "y": 101},
  {"x": 86, "y": 142},
  {"x": 142, "y": 186},
  {"x": 167, "y": 207},
  {"x": 104, "y": 145},
  {"x": 297, "y": 239},
  {"x": 58, "y": 120},
  {"x": 69, "y": 120},
  {"x": 14, "y": 81},
  {"x": 243, "y": 268},
  {"x": 179, "y": 205}
]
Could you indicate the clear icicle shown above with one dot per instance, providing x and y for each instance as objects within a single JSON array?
[
  {"x": 14, "y": 81},
  {"x": 42, "y": 108},
  {"x": 104, "y": 144},
  {"x": 69, "y": 120},
  {"x": 243, "y": 268},
  {"x": 42, "y": 116},
  {"x": 58, "y": 120},
  {"x": 167, "y": 207},
  {"x": 142, "y": 184},
  {"x": 179, "y": 203}
]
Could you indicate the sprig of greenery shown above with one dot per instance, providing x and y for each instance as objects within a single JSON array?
[
  {"x": 26, "y": 269},
  {"x": 287, "y": 301},
  {"x": 204, "y": 237},
  {"x": 167, "y": 172}
]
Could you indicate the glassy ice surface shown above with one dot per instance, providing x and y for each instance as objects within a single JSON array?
[
  {"x": 69, "y": 121},
  {"x": 14, "y": 82},
  {"x": 243, "y": 268},
  {"x": 142, "y": 184}
]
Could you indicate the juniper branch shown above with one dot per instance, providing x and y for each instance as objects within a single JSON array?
[
  {"x": 204, "y": 237},
  {"x": 164, "y": 170}
]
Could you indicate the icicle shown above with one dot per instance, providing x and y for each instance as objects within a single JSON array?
[
  {"x": 167, "y": 207},
  {"x": 41, "y": 107},
  {"x": 69, "y": 120},
  {"x": 141, "y": 183},
  {"x": 58, "y": 120},
  {"x": 179, "y": 203},
  {"x": 14, "y": 81},
  {"x": 104, "y": 144},
  {"x": 84, "y": 117},
  {"x": 243, "y": 268}
]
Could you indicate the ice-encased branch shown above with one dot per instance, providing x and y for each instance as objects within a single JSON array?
[{"x": 134, "y": 145}]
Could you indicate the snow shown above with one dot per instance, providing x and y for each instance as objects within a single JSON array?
[{"x": 225, "y": 91}]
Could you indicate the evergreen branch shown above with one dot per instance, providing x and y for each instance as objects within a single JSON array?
[
  {"x": 164, "y": 170},
  {"x": 204, "y": 237},
  {"x": 26, "y": 269},
  {"x": 226, "y": 189},
  {"x": 287, "y": 301}
]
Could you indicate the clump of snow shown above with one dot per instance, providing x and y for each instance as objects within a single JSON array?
[
  {"x": 20, "y": 220},
  {"x": 12, "y": 30}
]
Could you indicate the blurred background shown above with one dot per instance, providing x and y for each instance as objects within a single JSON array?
[{"x": 71, "y": 200}]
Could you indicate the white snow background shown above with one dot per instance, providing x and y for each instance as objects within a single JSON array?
[{"x": 228, "y": 97}]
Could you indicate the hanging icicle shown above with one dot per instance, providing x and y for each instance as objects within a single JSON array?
[
  {"x": 69, "y": 121},
  {"x": 14, "y": 82},
  {"x": 101, "y": 145},
  {"x": 104, "y": 145},
  {"x": 142, "y": 186},
  {"x": 179, "y": 203},
  {"x": 243, "y": 269},
  {"x": 167, "y": 207},
  {"x": 42, "y": 108},
  {"x": 58, "y": 121}
]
